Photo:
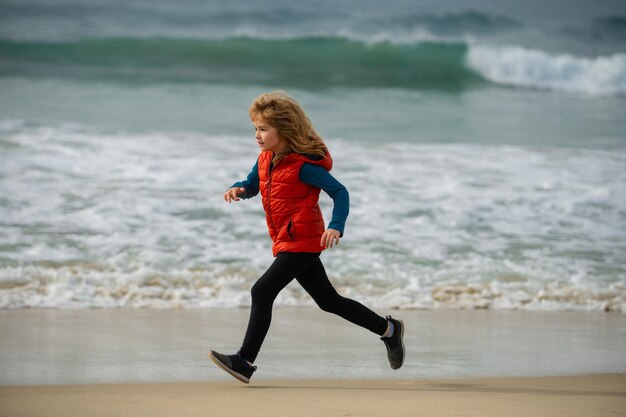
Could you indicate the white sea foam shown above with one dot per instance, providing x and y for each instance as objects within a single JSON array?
[
  {"x": 92, "y": 219},
  {"x": 410, "y": 36},
  {"x": 522, "y": 67}
]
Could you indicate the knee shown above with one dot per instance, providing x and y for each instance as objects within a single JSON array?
[
  {"x": 256, "y": 292},
  {"x": 329, "y": 304},
  {"x": 260, "y": 293},
  {"x": 327, "y": 307}
]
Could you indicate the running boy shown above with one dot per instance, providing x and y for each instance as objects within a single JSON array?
[{"x": 291, "y": 170}]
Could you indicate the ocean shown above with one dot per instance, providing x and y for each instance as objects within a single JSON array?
[{"x": 483, "y": 145}]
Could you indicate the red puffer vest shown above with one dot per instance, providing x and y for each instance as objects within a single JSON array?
[{"x": 292, "y": 212}]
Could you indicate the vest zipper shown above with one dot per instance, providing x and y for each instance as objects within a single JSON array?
[{"x": 269, "y": 193}]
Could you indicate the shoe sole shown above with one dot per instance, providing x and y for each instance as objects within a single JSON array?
[
  {"x": 238, "y": 376},
  {"x": 402, "y": 343}
]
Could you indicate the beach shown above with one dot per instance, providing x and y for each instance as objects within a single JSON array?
[
  {"x": 574, "y": 396},
  {"x": 52, "y": 347},
  {"x": 154, "y": 362},
  {"x": 483, "y": 147}
]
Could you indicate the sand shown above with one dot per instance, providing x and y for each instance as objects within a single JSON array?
[
  {"x": 51, "y": 347},
  {"x": 459, "y": 363},
  {"x": 572, "y": 396}
]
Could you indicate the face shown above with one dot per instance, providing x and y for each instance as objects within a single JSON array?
[{"x": 267, "y": 136}]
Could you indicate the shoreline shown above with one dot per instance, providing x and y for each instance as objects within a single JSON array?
[
  {"x": 594, "y": 395},
  {"x": 50, "y": 347}
]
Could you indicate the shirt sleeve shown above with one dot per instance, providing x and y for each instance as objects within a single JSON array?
[
  {"x": 250, "y": 184},
  {"x": 318, "y": 177}
]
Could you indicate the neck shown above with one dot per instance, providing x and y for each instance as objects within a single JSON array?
[
  {"x": 278, "y": 155},
  {"x": 282, "y": 151}
]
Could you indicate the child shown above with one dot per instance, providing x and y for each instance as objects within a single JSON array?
[{"x": 293, "y": 166}]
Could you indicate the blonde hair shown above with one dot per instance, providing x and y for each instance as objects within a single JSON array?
[{"x": 284, "y": 114}]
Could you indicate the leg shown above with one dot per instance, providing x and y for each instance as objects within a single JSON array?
[
  {"x": 315, "y": 281},
  {"x": 285, "y": 268}
]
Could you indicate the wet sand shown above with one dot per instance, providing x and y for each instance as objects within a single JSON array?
[
  {"x": 144, "y": 346},
  {"x": 459, "y": 363},
  {"x": 573, "y": 396}
]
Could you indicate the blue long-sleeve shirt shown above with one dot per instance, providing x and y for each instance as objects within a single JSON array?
[{"x": 316, "y": 176}]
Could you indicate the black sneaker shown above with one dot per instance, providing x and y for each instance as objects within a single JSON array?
[
  {"x": 395, "y": 344},
  {"x": 234, "y": 365}
]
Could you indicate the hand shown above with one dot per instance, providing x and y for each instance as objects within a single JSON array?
[
  {"x": 330, "y": 238},
  {"x": 232, "y": 194}
]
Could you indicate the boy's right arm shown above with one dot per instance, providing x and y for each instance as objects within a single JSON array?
[{"x": 244, "y": 189}]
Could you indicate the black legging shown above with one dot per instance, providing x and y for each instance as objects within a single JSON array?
[{"x": 307, "y": 268}]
